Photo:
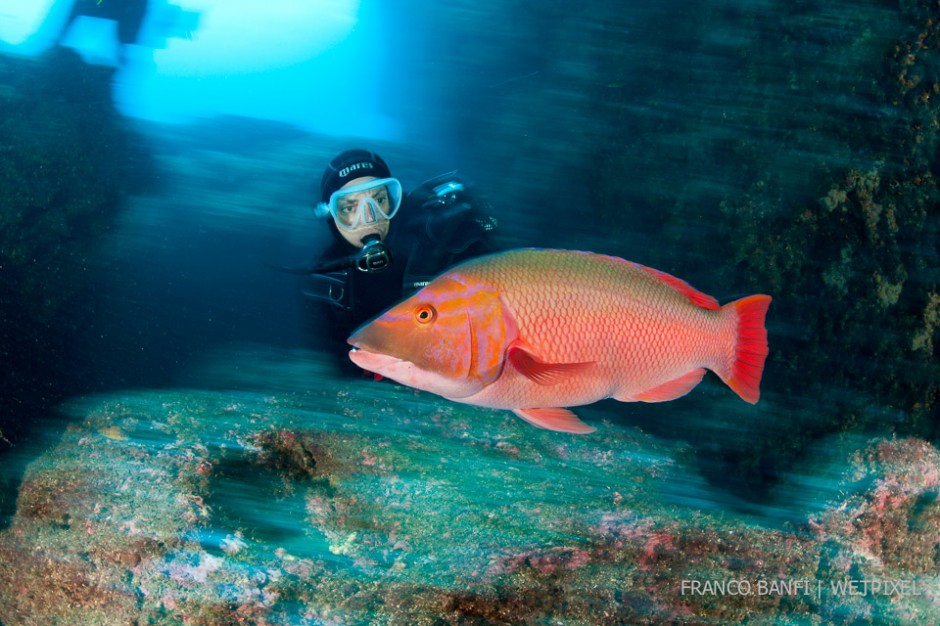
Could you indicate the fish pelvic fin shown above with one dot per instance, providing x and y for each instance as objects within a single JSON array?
[
  {"x": 540, "y": 372},
  {"x": 744, "y": 373},
  {"x": 557, "y": 419}
]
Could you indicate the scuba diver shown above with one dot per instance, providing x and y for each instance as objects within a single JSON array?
[
  {"x": 165, "y": 20},
  {"x": 374, "y": 262},
  {"x": 128, "y": 15}
]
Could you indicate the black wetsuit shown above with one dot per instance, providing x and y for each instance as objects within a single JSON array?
[{"x": 439, "y": 224}]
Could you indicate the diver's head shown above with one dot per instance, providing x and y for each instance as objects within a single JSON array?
[{"x": 358, "y": 192}]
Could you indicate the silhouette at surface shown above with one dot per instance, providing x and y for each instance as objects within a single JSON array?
[
  {"x": 164, "y": 20},
  {"x": 129, "y": 15}
]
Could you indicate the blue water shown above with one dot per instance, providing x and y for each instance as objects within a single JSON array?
[{"x": 177, "y": 445}]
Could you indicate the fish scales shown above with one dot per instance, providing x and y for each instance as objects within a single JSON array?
[{"x": 574, "y": 308}]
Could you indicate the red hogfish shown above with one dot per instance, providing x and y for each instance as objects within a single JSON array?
[{"x": 536, "y": 331}]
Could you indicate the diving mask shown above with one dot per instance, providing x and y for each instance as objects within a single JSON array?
[{"x": 364, "y": 203}]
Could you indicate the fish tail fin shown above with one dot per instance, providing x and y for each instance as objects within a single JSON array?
[{"x": 743, "y": 374}]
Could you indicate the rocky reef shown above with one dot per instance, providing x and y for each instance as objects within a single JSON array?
[
  {"x": 376, "y": 504},
  {"x": 781, "y": 147},
  {"x": 857, "y": 261},
  {"x": 67, "y": 162}
]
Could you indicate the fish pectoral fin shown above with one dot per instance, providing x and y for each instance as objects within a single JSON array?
[
  {"x": 560, "y": 420},
  {"x": 540, "y": 372},
  {"x": 669, "y": 391}
]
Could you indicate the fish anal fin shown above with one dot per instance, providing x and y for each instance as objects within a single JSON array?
[
  {"x": 538, "y": 371},
  {"x": 673, "y": 389},
  {"x": 697, "y": 297},
  {"x": 557, "y": 419}
]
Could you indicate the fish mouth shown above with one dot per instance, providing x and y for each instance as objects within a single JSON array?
[
  {"x": 374, "y": 362},
  {"x": 407, "y": 373},
  {"x": 386, "y": 366}
]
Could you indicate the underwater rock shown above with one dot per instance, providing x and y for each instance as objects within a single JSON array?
[
  {"x": 377, "y": 504},
  {"x": 862, "y": 254},
  {"x": 799, "y": 161},
  {"x": 787, "y": 147},
  {"x": 67, "y": 161}
]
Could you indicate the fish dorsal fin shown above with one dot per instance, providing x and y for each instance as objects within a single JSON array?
[
  {"x": 538, "y": 371},
  {"x": 694, "y": 295},
  {"x": 560, "y": 420}
]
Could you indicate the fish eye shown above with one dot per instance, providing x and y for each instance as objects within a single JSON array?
[{"x": 425, "y": 314}]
